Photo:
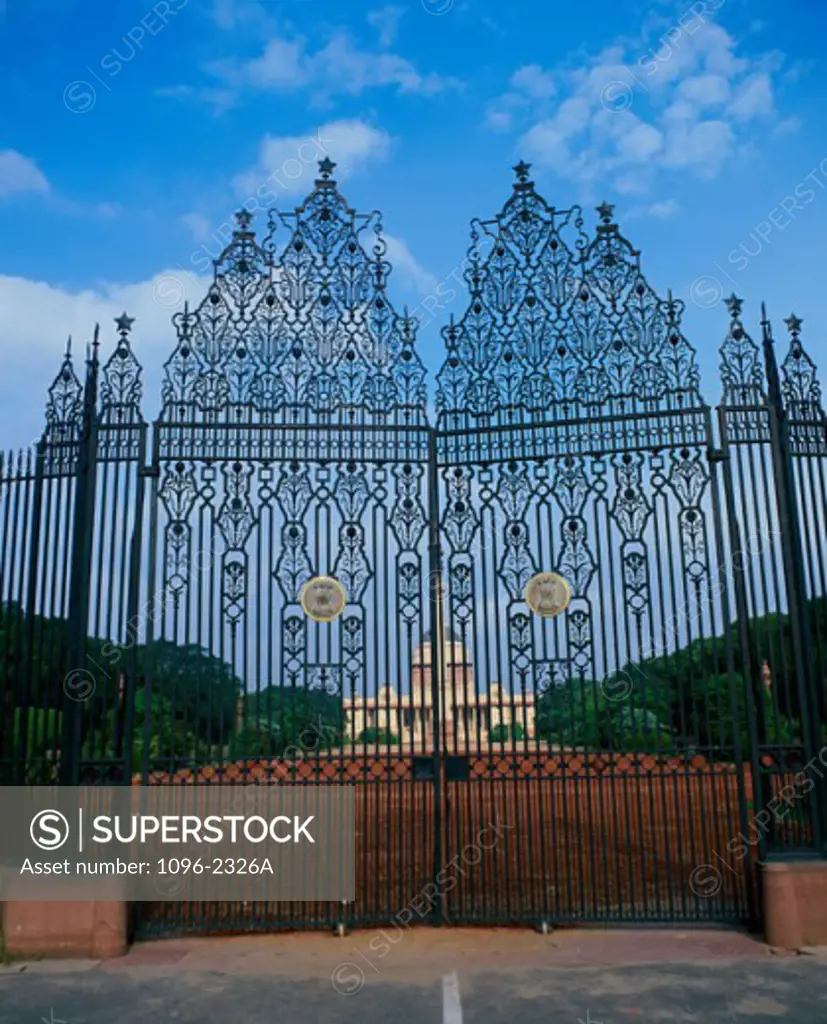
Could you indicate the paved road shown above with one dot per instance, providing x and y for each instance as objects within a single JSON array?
[{"x": 232, "y": 984}]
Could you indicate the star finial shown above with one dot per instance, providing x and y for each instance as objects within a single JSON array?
[
  {"x": 244, "y": 219},
  {"x": 521, "y": 170},
  {"x": 734, "y": 305},
  {"x": 793, "y": 324},
  {"x": 326, "y": 167},
  {"x": 124, "y": 323},
  {"x": 605, "y": 211}
]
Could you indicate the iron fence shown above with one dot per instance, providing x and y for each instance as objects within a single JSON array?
[{"x": 632, "y": 758}]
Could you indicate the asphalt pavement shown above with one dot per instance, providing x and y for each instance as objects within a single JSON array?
[{"x": 537, "y": 981}]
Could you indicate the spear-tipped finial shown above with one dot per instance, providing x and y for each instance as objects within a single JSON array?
[
  {"x": 326, "y": 167},
  {"x": 793, "y": 325},
  {"x": 605, "y": 212},
  {"x": 68, "y": 353},
  {"x": 521, "y": 170},
  {"x": 124, "y": 324},
  {"x": 735, "y": 305}
]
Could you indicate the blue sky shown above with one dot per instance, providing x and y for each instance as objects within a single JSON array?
[{"x": 131, "y": 131}]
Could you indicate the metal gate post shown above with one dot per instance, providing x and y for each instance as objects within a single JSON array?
[
  {"x": 81, "y": 566},
  {"x": 793, "y": 561},
  {"x": 133, "y": 623},
  {"x": 435, "y": 598},
  {"x": 755, "y": 716},
  {"x": 22, "y": 753}
]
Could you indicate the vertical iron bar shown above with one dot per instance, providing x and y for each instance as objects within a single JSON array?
[
  {"x": 435, "y": 596},
  {"x": 715, "y": 459},
  {"x": 756, "y": 724},
  {"x": 81, "y": 564},
  {"x": 132, "y": 631},
  {"x": 793, "y": 560}
]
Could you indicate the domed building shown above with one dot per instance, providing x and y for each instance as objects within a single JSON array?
[{"x": 466, "y": 716}]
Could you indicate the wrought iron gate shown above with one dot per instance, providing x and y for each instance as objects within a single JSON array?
[{"x": 619, "y": 758}]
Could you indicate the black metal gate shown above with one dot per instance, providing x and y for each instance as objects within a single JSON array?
[{"x": 630, "y": 757}]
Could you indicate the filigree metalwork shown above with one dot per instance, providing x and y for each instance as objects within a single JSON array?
[
  {"x": 576, "y": 563},
  {"x": 630, "y": 509},
  {"x": 352, "y": 566},
  {"x": 234, "y": 588},
  {"x": 460, "y": 521},
  {"x": 236, "y": 517},
  {"x": 636, "y": 580},
  {"x": 741, "y": 370},
  {"x": 121, "y": 387},
  {"x": 517, "y": 565},
  {"x": 559, "y": 326},
  {"x": 301, "y": 331},
  {"x": 408, "y": 518},
  {"x": 799, "y": 381},
  {"x": 64, "y": 407}
]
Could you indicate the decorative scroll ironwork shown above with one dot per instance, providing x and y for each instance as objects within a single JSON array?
[
  {"x": 571, "y": 437},
  {"x": 801, "y": 391},
  {"x": 64, "y": 407},
  {"x": 559, "y": 326},
  {"x": 743, "y": 379},
  {"x": 121, "y": 386},
  {"x": 298, "y": 333},
  {"x": 741, "y": 370}
]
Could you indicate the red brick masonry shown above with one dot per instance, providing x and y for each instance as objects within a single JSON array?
[
  {"x": 81, "y": 930},
  {"x": 795, "y": 903}
]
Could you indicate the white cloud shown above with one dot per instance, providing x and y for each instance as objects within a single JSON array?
[
  {"x": 498, "y": 120},
  {"x": 240, "y": 14},
  {"x": 288, "y": 163},
  {"x": 281, "y": 66},
  {"x": 704, "y": 90},
  {"x": 533, "y": 81},
  {"x": 339, "y": 67},
  {"x": 198, "y": 226},
  {"x": 753, "y": 98},
  {"x": 19, "y": 173},
  {"x": 386, "y": 21},
  {"x": 702, "y": 147},
  {"x": 412, "y": 276},
  {"x": 662, "y": 210},
  {"x": 36, "y": 318},
  {"x": 622, "y": 117},
  {"x": 789, "y": 126},
  {"x": 639, "y": 143}
]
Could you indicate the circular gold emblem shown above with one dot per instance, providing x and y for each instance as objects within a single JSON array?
[
  {"x": 323, "y": 598},
  {"x": 547, "y": 594}
]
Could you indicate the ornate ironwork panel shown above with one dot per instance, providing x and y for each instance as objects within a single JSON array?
[
  {"x": 573, "y": 439},
  {"x": 293, "y": 444},
  {"x": 578, "y": 645}
]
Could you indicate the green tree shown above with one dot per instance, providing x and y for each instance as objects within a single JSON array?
[
  {"x": 502, "y": 733},
  {"x": 290, "y": 721},
  {"x": 581, "y": 714},
  {"x": 375, "y": 735}
]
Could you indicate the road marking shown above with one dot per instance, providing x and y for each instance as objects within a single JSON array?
[{"x": 451, "y": 1005}]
